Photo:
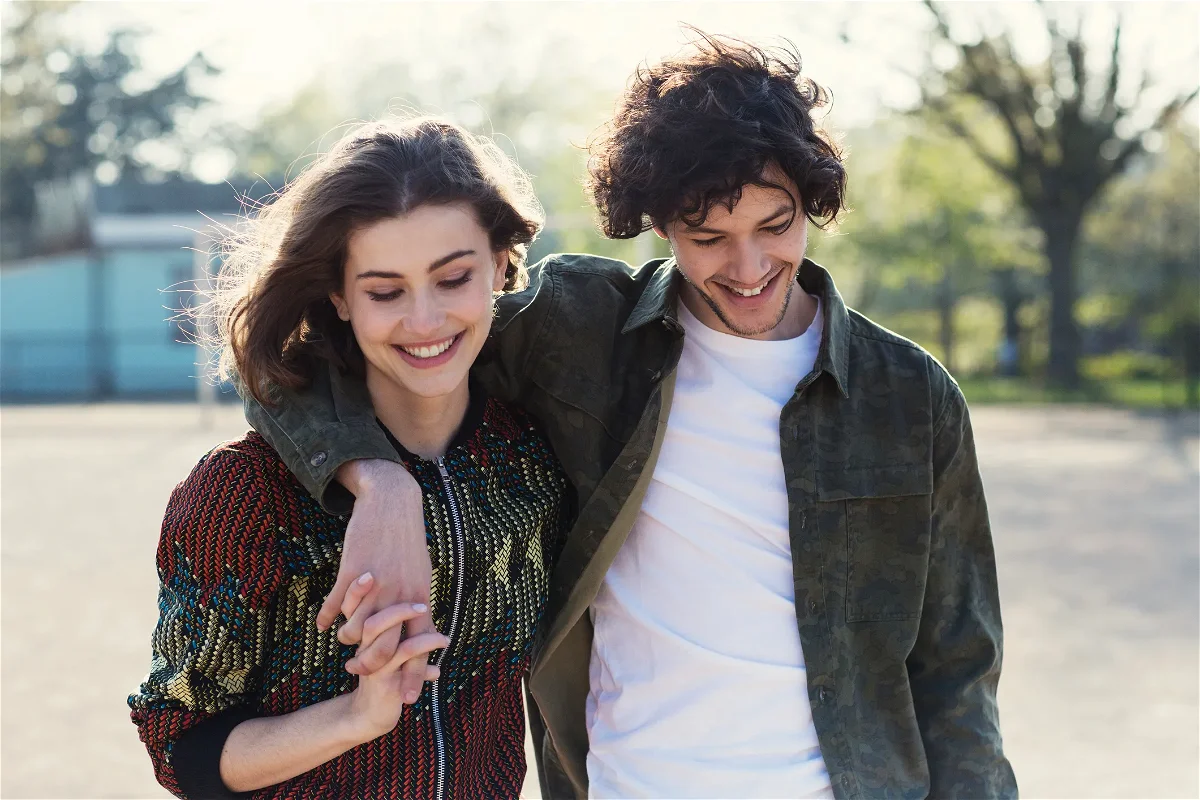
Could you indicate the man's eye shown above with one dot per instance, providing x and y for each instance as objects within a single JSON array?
[
  {"x": 706, "y": 242},
  {"x": 454, "y": 283},
  {"x": 778, "y": 230},
  {"x": 383, "y": 297}
]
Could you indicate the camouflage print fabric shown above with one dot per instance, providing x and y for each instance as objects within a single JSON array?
[{"x": 896, "y": 597}]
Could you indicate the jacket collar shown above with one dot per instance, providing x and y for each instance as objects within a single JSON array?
[
  {"x": 660, "y": 298},
  {"x": 834, "y": 355}
]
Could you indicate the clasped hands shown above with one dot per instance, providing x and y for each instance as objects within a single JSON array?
[{"x": 384, "y": 687}]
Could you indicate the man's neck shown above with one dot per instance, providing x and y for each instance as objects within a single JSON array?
[
  {"x": 425, "y": 426},
  {"x": 799, "y": 315}
]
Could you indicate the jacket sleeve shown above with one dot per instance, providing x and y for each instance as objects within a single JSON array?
[
  {"x": 219, "y": 573},
  {"x": 954, "y": 668},
  {"x": 319, "y": 429}
]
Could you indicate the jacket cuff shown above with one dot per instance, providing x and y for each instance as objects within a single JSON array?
[
  {"x": 196, "y": 756},
  {"x": 314, "y": 452}
]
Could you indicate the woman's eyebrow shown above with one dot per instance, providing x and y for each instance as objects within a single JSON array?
[{"x": 441, "y": 262}]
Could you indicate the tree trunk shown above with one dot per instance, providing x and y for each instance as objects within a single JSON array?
[
  {"x": 1190, "y": 335},
  {"x": 1009, "y": 357},
  {"x": 1062, "y": 234},
  {"x": 946, "y": 318}
]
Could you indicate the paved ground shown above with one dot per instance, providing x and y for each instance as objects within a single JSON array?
[{"x": 1096, "y": 515}]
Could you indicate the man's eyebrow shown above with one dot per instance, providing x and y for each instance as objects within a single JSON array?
[
  {"x": 441, "y": 262},
  {"x": 776, "y": 214}
]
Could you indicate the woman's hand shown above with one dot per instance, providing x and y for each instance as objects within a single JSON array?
[
  {"x": 374, "y": 632},
  {"x": 268, "y": 750},
  {"x": 377, "y": 703}
]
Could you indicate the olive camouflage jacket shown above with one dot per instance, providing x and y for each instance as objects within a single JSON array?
[{"x": 895, "y": 577}]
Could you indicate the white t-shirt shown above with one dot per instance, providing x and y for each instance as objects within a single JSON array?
[{"x": 697, "y": 679}]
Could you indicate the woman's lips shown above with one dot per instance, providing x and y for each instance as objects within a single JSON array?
[{"x": 432, "y": 361}]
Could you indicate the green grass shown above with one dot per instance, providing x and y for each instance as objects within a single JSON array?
[{"x": 1125, "y": 393}]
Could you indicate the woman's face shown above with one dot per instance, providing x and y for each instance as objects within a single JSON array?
[{"x": 417, "y": 290}]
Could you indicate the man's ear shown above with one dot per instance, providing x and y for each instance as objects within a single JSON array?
[
  {"x": 339, "y": 302},
  {"x": 660, "y": 233},
  {"x": 498, "y": 278}
]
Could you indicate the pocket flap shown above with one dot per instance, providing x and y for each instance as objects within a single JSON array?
[{"x": 860, "y": 482}]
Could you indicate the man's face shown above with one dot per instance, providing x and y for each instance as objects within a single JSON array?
[{"x": 741, "y": 265}]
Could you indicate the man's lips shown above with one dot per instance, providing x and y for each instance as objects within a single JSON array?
[{"x": 762, "y": 292}]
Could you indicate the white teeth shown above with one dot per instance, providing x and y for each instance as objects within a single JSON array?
[
  {"x": 428, "y": 352},
  {"x": 748, "y": 292}
]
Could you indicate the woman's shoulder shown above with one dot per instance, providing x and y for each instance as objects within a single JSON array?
[
  {"x": 224, "y": 518},
  {"x": 241, "y": 483},
  {"x": 237, "y": 463}
]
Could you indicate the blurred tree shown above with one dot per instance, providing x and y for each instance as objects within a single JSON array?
[
  {"x": 929, "y": 221},
  {"x": 538, "y": 117},
  {"x": 66, "y": 113},
  {"x": 1142, "y": 253},
  {"x": 1069, "y": 133}
]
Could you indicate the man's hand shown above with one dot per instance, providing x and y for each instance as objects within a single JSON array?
[{"x": 386, "y": 537}]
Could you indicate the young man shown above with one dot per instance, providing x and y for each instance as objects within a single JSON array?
[{"x": 781, "y": 579}]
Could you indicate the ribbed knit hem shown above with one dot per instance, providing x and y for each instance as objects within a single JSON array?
[{"x": 196, "y": 756}]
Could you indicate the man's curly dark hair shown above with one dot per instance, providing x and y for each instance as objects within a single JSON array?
[{"x": 694, "y": 130}]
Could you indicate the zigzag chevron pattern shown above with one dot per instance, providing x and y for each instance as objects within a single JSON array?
[{"x": 245, "y": 558}]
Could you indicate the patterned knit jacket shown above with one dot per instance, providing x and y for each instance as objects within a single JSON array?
[{"x": 246, "y": 557}]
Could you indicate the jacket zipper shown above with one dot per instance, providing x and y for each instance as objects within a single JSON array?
[{"x": 457, "y": 551}]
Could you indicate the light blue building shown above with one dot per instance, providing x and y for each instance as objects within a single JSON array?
[{"x": 103, "y": 322}]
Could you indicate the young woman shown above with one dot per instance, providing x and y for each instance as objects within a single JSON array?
[{"x": 383, "y": 258}]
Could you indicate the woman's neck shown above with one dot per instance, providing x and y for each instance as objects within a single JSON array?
[{"x": 423, "y": 425}]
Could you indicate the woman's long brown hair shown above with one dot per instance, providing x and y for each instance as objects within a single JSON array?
[{"x": 271, "y": 312}]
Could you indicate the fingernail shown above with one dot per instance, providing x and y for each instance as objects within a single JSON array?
[
  {"x": 420, "y": 607},
  {"x": 366, "y": 577}
]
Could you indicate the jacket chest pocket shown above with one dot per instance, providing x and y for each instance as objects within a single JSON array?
[{"x": 885, "y": 515}]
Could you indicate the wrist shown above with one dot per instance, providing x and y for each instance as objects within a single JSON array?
[
  {"x": 352, "y": 727},
  {"x": 371, "y": 477}
]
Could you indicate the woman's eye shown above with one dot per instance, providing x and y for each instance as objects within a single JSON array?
[
  {"x": 454, "y": 283},
  {"x": 383, "y": 297}
]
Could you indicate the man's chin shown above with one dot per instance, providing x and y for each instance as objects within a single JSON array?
[
  {"x": 753, "y": 328},
  {"x": 750, "y": 322}
]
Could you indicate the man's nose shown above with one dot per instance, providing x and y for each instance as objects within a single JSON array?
[{"x": 749, "y": 264}]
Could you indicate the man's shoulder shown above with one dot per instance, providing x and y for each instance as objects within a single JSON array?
[
  {"x": 872, "y": 343},
  {"x": 576, "y": 273}
]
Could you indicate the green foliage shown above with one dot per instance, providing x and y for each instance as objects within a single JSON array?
[
  {"x": 541, "y": 119},
  {"x": 1139, "y": 394},
  {"x": 1069, "y": 132},
  {"x": 1142, "y": 242},
  {"x": 928, "y": 227},
  {"x": 1126, "y": 365}
]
